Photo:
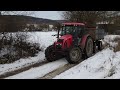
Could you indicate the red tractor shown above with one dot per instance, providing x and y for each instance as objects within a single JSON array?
[{"x": 77, "y": 40}]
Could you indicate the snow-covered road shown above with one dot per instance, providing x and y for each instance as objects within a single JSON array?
[{"x": 38, "y": 72}]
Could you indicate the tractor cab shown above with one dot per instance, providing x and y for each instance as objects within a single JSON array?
[
  {"x": 71, "y": 34},
  {"x": 73, "y": 29}
]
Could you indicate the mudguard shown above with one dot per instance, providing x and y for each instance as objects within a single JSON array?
[{"x": 83, "y": 41}]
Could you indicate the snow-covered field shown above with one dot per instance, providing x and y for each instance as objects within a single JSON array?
[
  {"x": 44, "y": 38},
  {"x": 104, "y": 64}
]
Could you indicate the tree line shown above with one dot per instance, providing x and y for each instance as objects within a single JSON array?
[{"x": 91, "y": 18}]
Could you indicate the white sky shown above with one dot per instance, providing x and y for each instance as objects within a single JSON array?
[{"x": 54, "y": 15}]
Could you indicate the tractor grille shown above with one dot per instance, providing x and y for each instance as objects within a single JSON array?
[
  {"x": 58, "y": 46},
  {"x": 60, "y": 40}
]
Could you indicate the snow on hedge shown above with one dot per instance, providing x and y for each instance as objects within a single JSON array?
[
  {"x": 44, "y": 39},
  {"x": 110, "y": 40}
]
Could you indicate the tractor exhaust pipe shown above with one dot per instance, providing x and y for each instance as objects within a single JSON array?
[{"x": 58, "y": 30}]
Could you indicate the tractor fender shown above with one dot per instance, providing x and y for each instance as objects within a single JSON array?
[{"x": 83, "y": 41}]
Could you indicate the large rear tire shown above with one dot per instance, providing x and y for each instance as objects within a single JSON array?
[
  {"x": 94, "y": 48},
  {"x": 74, "y": 55},
  {"x": 50, "y": 54},
  {"x": 89, "y": 47}
]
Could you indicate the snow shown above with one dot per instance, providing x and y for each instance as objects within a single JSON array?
[
  {"x": 99, "y": 66},
  {"x": 110, "y": 40},
  {"x": 44, "y": 38},
  {"x": 38, "y": 72},
  {"x": 21, "y": 63}
]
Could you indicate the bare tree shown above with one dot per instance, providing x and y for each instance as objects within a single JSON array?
[{"x": 91, "y": 17}]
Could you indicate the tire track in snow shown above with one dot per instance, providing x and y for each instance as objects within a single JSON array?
[
  {"x": 8, "y": 74},
  {"x": 40, "y": 71},
  {"x": 57, "y": 71}
]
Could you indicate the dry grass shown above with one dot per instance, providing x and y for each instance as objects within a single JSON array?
[
  {"x": 116, "y": 39},
  {"x": 117, "y": 48}
]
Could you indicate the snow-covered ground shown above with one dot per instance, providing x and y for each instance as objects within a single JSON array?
[
  {"x": 44, "y": 38},
  {"x": 38, "y": 72},
  {"x": 104, "y": 64},
  {"x": 21, "y": 63}
]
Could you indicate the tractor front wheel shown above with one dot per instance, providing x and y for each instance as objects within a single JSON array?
[
  {"x": 74, "y": 55},
  {"x": 50, "y": 54}
]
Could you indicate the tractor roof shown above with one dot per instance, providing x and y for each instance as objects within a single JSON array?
[{"x": 73, "y": 23}]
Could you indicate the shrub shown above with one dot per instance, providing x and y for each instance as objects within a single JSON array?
[
  {"x": 117, "y": 48},
  {"x": 15, "y": 46},
  {"x": 116, "y": 39}
]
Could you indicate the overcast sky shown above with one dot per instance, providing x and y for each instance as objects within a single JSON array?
[{"x": 54, "y": 15}]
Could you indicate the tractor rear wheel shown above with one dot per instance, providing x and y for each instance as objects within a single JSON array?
[
  {"x": 89, "y": 47},
  {"x": 94, "y": 47},
  {"x": 50, "y": 54},
  {"x": 74, "y": 55}
]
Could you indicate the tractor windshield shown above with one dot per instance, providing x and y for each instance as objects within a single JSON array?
[{"x": 73, "y": 30}]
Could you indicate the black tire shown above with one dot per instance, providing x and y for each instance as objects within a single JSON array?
[
  {"x": 50, "y": 54},
  {"x": 89, "y": 47},
  {"x": 94, "y": 47},
  {"x": 74, "y": 55},
  {"x": 100, "y": 47}
]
